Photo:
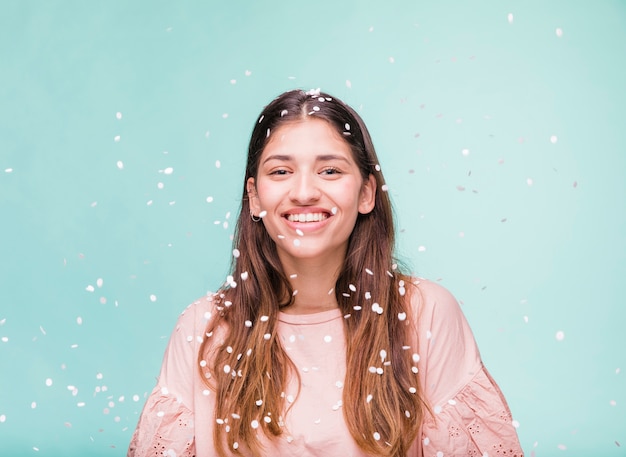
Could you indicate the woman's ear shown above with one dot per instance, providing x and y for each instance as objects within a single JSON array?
[
  {"x": 253, "y": 201},
  {"x": 367, "y": 199}
]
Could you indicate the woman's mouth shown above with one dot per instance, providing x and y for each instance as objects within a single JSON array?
[{"x": 307, "y": 217}]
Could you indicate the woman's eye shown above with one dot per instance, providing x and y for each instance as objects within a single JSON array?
[
  {"x": 278, "y": 172},
  {"x": 330, "y": 171}
]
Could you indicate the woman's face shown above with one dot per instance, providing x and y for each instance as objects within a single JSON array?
[{"x": 309, "y": 191}]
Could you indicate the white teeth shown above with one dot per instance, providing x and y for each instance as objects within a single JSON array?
[{"x": 308, "y": 217}]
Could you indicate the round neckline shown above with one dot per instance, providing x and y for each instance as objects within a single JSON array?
[{"x": 310, "y": 319}]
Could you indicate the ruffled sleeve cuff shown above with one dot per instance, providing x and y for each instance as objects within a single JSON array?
[
  {"x": 165, "y": 428},
  {"x": 475, "y": 422}
]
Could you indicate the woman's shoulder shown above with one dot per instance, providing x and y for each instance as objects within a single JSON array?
[
  {"x": 428, "y": 297},
  {"x": 193, "y": 319}
]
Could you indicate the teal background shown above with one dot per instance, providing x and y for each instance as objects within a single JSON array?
[{"x": 527, "y": 227}]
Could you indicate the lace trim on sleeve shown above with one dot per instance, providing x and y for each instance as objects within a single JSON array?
[
  {"x": 476, "y": 422},
  {"x": 165, "y": 428}
]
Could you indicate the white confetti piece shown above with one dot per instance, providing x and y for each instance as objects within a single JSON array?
[
  {"x": 5, "y": 339},
  {"x": 465, "y": 152},
  {"x": 421, "y": 248},
  {"x": 401, "y": 317},
  {"x": 553, "y": 139},
  {"x": 560, "y": 335},
  {"x": 168, "y": 171},
  {"x": 559, "y": 32},
  {"x": 392, "y": 60},
  {"x": 348, "y": 84},
  {"x": 118, "y": 115},
  {"x": 529, "y": 182},
  {"x": 328, "y": 339},
  {"x": 120, "y": 164},
  {"x": 117, "y": 138},
  {"x": 225, "y": 115},
  {"x": 515, "y": 423},
  {"x": 79, "y": 320},
  {"x": 33, "y": 405},
  {"x": 218, "y": 164},
  {"x": 153, "y": 298},
  {"x": 48, "y": 382},
  {"x": 562, "y": 447},
  {"x": 209, "y": 199},
  {"x": 254, "y": 424},
  {"x": 8, "y": 170},
  {"x": 509, "y": 17},
  {"x": 233, "y": 81},
  {"x": 248, "y": 73},
  {"x": 262, "y": 214}
]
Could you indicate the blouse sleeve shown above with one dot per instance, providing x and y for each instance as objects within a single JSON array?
[
  {"x": 470, "y": 414},
  {"x": 166, "y": 425},
  {"x": 164, "y": 429}
]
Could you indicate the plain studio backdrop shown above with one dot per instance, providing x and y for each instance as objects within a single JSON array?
[{"x": 123, "y": 132}]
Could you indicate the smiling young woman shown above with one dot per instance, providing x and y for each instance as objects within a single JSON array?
[{"x": 317, "y": 344}]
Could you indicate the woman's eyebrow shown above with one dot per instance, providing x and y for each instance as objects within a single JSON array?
[
  {"x": 329, "y": 157},
  {"x": 281, "y": 157}
]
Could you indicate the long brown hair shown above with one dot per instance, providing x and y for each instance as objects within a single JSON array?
[{"x": 383, "y": 411}]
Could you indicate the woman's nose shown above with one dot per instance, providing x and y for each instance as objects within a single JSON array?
[{"x": 305, "y": 189}]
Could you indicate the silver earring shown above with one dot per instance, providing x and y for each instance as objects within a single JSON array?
[{"x": 254, "y": 218}]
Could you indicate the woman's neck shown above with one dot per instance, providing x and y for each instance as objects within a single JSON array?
[{"x": 313, "y": 285}]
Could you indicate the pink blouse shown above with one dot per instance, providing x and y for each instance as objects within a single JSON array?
[{"x": 471, "y": 415}]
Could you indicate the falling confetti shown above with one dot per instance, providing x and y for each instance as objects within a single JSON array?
[
  {"x": 560, "y": 335},
  {"x": 510, "y": 18}
]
